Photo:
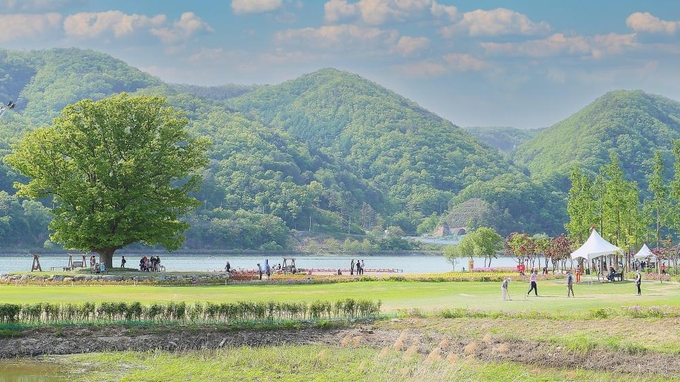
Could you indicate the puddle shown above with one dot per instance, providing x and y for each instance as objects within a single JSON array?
[{"x": 28, "y": 370}]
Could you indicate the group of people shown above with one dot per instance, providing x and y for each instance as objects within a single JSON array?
[
  {"x": 533, "y": 286},
  {"x": 267, "y": 269},
  {"x": 150, "y": 264},
  {"x": 96, "y": 267},
  {"x": 358, "y": 265}
]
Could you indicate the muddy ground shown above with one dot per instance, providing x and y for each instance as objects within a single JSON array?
[{"x": 401, "y": 335}]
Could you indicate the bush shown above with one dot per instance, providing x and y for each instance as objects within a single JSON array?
[{"x": 240, "y": 311}]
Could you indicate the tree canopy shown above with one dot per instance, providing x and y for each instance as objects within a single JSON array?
[{"x": 119, "y": 171}]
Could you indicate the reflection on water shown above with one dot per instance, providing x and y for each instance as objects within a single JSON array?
[{"x": 22, "y": 370}]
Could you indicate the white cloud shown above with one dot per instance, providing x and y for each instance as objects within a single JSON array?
[
  {"x": 429, "y": 68},
  {"x": 38, "y": 5},
  {"x": 93, "y": 25},
  {"x": 339, "y": 37},
  {"x": 495, "y": 22},
  {"x": 336, "y": 10},
  {"x": 409, "y": 46},
  {"x": 254, "y": 6},
  {"x": 377, "y": 12},
  {"x": 25, "y": 26},
  {"x": 449, "y": 11},
  {"x": 646, "y": 22},
  {"x": 207, "y": 55},
  {"x": 559, "y": 44},
  {"x": 279, "y": 56},
  {"x": 464, "y": 62},
  {"x": 186, "y": 27},
  {"x": 452, "y": 62}
]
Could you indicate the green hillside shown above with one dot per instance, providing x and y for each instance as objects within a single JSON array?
[
  {"x": 43, "y": 82},
  {"x": 329, "y": 152},
  {"x": 632, "y": 123},
  {"x": 417, "y": 158}
]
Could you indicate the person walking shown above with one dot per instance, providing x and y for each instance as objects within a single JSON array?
[
  {"x": 570, "y": 284},
  {"x": 259, "y": 270},
  {"x": 504, "y": 288},
  {"x": 532, "y": 280},
  {"x": 227, "y": 267},
  {"x": 351, "y": 268},
  {"x": 122, "y": 262},
  {"x": 638, "y": 282}
]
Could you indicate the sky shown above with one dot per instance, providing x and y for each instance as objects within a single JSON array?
[{"x": 520, "y": 63}]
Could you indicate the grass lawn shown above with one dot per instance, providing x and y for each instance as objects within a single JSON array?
[
  {"x": 395, "y": 296},
  {"x": 566, "y": 332}
]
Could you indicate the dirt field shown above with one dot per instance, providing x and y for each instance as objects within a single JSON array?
[{"x": 448, "y": 337}]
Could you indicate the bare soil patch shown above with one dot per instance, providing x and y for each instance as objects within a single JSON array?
[{"x": 442, "y": 338}]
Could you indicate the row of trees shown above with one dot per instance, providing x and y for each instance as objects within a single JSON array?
[
  {"x": 485, "y": 242},
  {"x": 607, "y": 202},
  {"x": 618, "y": 209}
]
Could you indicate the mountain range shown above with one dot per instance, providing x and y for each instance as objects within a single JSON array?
[{"x": 332, "y": 152}]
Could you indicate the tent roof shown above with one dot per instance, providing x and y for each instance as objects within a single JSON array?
[
  {"x": 594, "y": 247},
  {"x": 644, "y": 253}
]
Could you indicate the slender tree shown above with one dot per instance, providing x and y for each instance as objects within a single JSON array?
[
  {"x": 659, "y": 203},
  {"x": 487, "y": 244},
  {"x": 580, "y": 206}
]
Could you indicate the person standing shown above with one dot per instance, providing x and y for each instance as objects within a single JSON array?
[
  {"x": 578, "y": 273},
  {"x": 227, "y": 267},
  {"x": 504, "y": 288},
  {"x": 267, "y": 269},
  {"x": 362, "y": 267},
  {"x": 570, "y": 284},
  {"x": 259, "y": 270},
  {"x": 532, "y": 280},
  {"x": 638, "y": 282},
  {"x": 122, "y": 262},
  {"x": 351, "y": 268}
]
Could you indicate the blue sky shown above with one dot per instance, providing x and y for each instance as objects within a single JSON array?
[{"x": 514, "y": 63}]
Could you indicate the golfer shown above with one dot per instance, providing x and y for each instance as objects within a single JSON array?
[
  {"x": 570, "y": 284},
  {"x": 504, "y": 289},
  {"x": 532, "y": 281}
]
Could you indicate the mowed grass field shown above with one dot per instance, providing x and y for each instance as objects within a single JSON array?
[
  {"x": 395, "y": 295},
  {"x": 567, "y": 343}
]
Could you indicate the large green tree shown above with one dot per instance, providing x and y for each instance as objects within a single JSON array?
[{"x": 119, "y": 170}]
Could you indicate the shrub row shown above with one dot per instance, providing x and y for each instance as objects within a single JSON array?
[{"x": 44, "y": 313}]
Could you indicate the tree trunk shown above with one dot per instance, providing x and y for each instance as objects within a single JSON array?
[{"x": 106, "y": 256}]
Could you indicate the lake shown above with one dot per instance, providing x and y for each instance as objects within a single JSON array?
[{"x": 182, "y": 262}]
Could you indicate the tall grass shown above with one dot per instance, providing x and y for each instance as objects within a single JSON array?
[{"x": 313, "y": 363}]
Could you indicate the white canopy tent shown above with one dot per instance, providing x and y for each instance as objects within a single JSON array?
[
  {"x": 596, "y": 246},
  {"x": 645, "y": 253}
]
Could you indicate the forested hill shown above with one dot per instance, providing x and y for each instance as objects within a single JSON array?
[
  {"x": 329, "y": 150},
  {"x": 43, "y": 82},
  {"x": 632, "y": 123},
  {"x": 417, "y": 157}
]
